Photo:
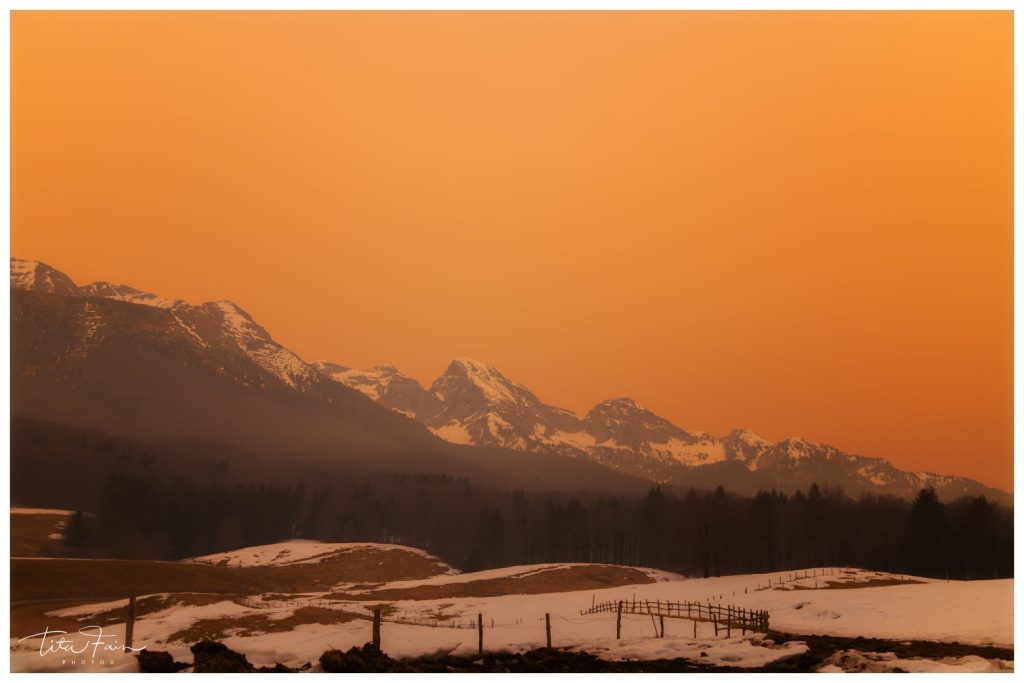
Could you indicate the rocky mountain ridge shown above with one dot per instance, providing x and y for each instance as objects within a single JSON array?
[{"x": 474, "y": 403}]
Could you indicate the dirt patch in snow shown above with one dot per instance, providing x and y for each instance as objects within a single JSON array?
[
  {"x": 378, "y": 565},
  {"x": 33, "y": 618},
  {"x": 38, "y": 535},
  {"x": 255, "y": 624},
  {"x": 107, "y": 579},
  {"x": 555, "y": 580},
  {"x": 27, "y": 620}
]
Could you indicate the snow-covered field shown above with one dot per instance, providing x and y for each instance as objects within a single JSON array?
[{"x": 808, "y": 602}]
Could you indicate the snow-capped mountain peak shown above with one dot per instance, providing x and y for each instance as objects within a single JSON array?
[
  {"x": 39, "y": 277},
  {"x": 112, "y": 290},
  {"x": 797, "y": 447},
  {"x": 621, "y": 423},
  {"x": 750, "y": 438},
  {"x": 384, "y": 384},
  {"x": 622, "y": 404},
  {"x": 471, "y": 381},
  {"x": 618, "y": 414},
  {"x": 746, "y": 446},
  {"x": 470, "y": 365},
  {"x": 221, "y": 324}
]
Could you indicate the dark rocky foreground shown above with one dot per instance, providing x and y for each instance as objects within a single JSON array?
[
  {"x": 821, "y": 648},
  {"x": 214, "y": 657}
]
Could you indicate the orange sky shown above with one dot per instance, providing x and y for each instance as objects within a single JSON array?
[{"x": 800, "y": 223}]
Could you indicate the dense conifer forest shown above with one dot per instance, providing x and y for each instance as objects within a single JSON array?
[{"x": 693, "y": 532}]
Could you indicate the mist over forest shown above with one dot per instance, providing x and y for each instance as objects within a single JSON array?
[{"x": 473, "y": 527}]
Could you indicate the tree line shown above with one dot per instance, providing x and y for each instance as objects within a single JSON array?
[{"x": 693, "y": 532}]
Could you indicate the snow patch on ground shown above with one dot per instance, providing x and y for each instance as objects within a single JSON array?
[{"x": 298, "y": 551}]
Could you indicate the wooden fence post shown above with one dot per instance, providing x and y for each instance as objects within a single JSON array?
[
  {"x": 618, "y": 622},
  {"x": 129, "y": 628},
  {"x": 480, "y": 630},
  {"x": 662, "y": 617},
  {"x": 694, "y": 629},
  {"x": 547, "y": 626},
  {"x": 376, "y": 627}
]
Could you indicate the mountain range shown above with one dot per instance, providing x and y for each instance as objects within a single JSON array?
[
  {"x": 474, "y": 403},
  {"x": 105, "y": 358},
  {"x": 108, "y": 357}
]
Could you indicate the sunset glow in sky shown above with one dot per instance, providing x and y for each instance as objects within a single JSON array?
[{"x": 795, "y": 222}]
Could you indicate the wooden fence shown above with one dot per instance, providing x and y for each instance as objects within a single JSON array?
[{"x": 724, "y": 617}]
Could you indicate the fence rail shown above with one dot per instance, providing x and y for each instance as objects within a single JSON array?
[{"x": 722, "y": 616}]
